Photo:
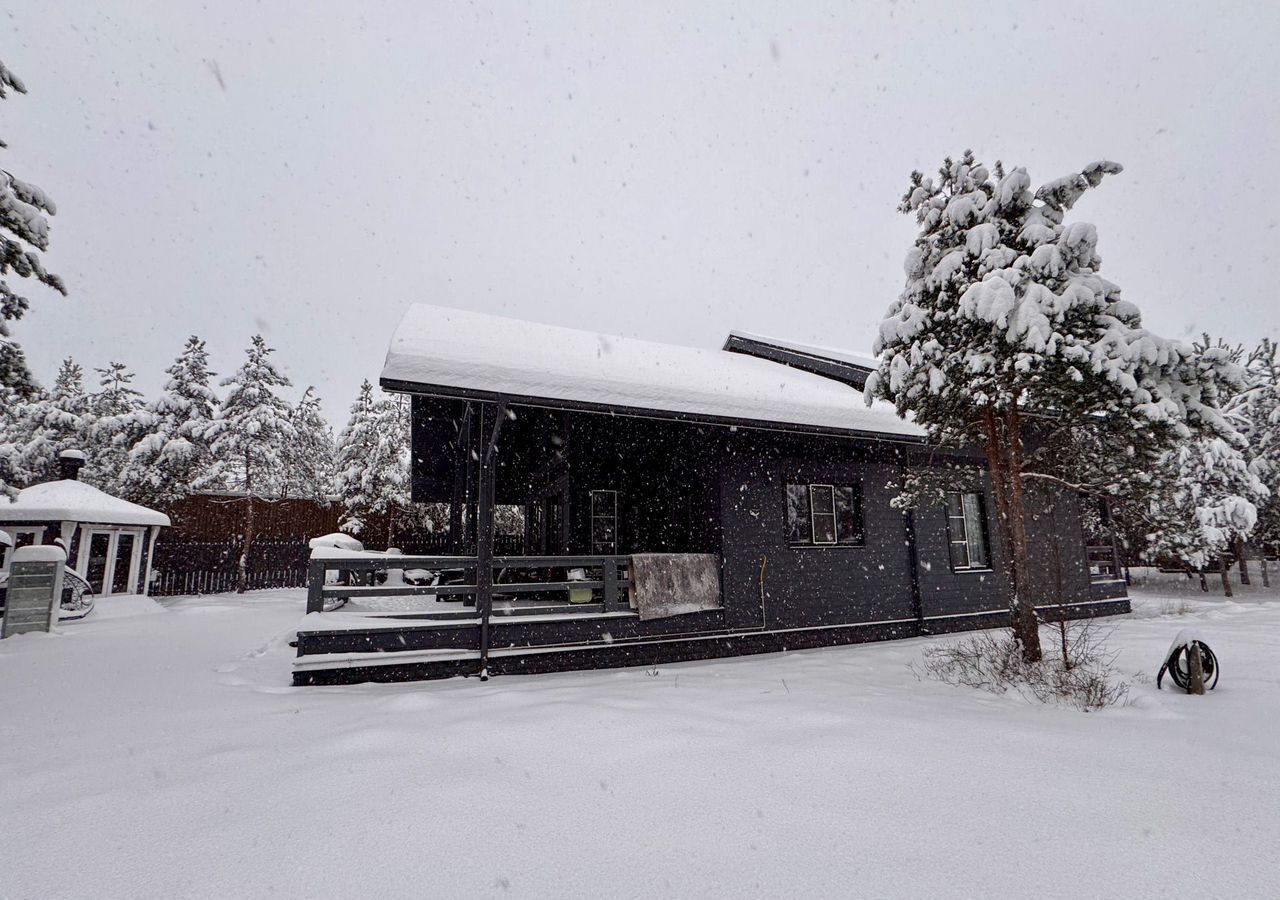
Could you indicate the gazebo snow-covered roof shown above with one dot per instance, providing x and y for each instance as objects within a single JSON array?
[
  {"x": 74, "y": 501},
  {"x": 109, "y": 542},
  {"x": 451, "y": 352}
]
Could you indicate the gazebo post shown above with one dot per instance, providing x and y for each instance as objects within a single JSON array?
[{"x": 154, "y": 532}]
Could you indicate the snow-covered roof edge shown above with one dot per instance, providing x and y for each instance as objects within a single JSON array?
[
  {"x": 458, "y": 353},
  {"x": 848, "y": 357},
  {"x": 75, "y": 501}
]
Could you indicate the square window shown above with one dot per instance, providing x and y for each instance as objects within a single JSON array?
[{"x": 824, "y": 515}]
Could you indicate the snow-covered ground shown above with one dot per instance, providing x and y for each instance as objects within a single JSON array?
[{"x": 160, "y": 752}]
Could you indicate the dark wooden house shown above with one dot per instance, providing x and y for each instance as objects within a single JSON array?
[{"x": 678, "y": 504}]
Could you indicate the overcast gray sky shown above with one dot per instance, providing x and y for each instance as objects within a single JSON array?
[{"x": 309, "y": 169}]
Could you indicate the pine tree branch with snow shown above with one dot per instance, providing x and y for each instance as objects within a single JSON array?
[{"x": 24, "y": 235}]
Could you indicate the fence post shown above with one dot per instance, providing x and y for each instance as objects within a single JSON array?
[{"x": 315, "y": 585}]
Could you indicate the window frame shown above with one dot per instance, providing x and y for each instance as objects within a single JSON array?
[
  {"x": 835, "y": 487},
  {"x": 1101, "y": 550},
  {"x": 592, "y": 517},
  {"x": 829, "y": 513},
  {"x": 983, "y": 530}
]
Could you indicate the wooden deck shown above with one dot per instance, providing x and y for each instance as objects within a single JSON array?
[{"x": 529, "y": 627}]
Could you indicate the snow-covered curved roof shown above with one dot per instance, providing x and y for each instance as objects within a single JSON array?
[
  {"x": 467, "y": 351},
  {"x": 75, "y": 501}
]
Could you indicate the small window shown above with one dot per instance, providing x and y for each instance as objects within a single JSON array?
[
  {"x": 604, "y": 523},
  {"x": 967, "y": 530},
  {"x": 824, "y": 515},
  {"x": 1100, "y": 543}
]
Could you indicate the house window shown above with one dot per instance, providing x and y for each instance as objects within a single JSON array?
[
  {"x": 604, "y": 523},
  {"x": 20, "y": 539},
  {"x": 1100, "y": 544},
  {"x": 967, "y": 530},
  {"x": 824, "y": 515}
]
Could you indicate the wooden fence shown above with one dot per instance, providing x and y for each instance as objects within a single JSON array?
[{"x": 212, "y": 567}]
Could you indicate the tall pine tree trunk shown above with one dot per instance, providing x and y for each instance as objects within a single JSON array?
[
  {"x": 1262, "y": 564},
  {"x": 1224, "y": 563},
  {"x": 1241, "y": 555},
  {"x": 243, "y": 572},
  {"x": 1004, "y": 458}
]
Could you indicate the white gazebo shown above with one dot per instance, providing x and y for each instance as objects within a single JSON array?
[{"x": 110, "y": 542}]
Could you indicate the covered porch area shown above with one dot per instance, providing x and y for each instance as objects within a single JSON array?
[{"x": 564, "y": 528}]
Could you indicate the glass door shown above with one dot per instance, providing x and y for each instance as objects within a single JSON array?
[
  {"x": 122, "y": 576},
  {"x": 96, "y": 560}
]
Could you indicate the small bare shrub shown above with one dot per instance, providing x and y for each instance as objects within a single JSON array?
[
  {"x": 1178, "y": 607},
  {"x": 1084, "y": 677}
]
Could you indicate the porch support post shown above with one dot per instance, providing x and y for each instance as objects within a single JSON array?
[
  {"x": 611, "y": 584},
  {"x": 315, "y": 585},
  {"x": 461, "y": 469},
  {"x": 490, "y": 427}
]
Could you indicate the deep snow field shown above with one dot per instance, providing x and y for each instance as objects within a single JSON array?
[{"x": 159, "y": 751}]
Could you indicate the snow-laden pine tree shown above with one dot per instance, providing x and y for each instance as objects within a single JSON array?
[
  {"x": 309, "y": 472},
  {"x": 38, "y": 429},
  {"x": 354, "y": 448},
  {"x": 249, "y": 439},
  {"x": 24, "y": 234},
  {"x": 1213, "y": 501},
  {"x": 173, "y": 455},
  {"x": 1257, "y": 411},
  {"x": 119, "y": 420},
  {"x": 1004, "y": 314},
  {"x": 372, "y": 478}
]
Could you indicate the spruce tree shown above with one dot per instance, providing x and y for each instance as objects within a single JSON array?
[
  {"x": 1005, "y": 314},
  {"x": 372, "y": 478},
  {"x": 38, "y": 429},
  {"x": 24, "y": 234},
  {"x": 173, "y": 455},
  {"x": 250, "y": 439},
  {"x": 118, "y": 421},
  {"x": 309, "y": 472}
]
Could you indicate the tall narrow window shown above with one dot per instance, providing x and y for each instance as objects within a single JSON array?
[
  {"x": 604, "y": 523},
  {"x": 799, "y": 526},
  {"x": 967, "y": 530},
  {"x": 1100, "y": 542},
  {"x": 824, "y": 515},
  {"x": 822, "y": 510}
]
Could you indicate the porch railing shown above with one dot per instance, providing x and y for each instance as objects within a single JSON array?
[{"x": 526, "y": 585}]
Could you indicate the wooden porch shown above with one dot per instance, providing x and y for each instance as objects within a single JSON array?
[{"x": 456, "y": 621}]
